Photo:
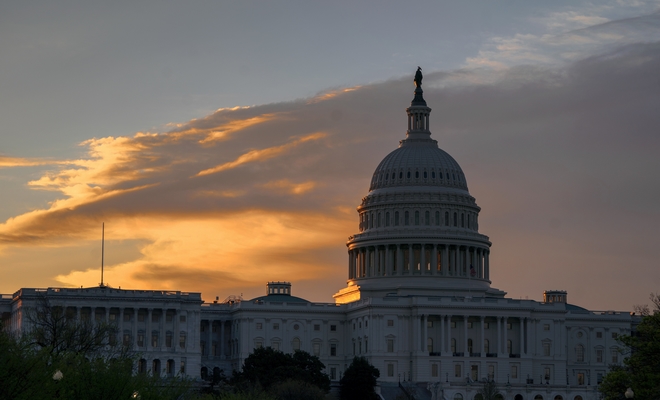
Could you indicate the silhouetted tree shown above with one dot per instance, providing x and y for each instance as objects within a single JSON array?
[
  {"x": 641, "y": 368},
  {"x": 359, "y": 381}
]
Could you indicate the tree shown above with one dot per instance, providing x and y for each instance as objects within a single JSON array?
[
  {"x": 267, "y": 367},
  {"x": 359, "y": 381},
  {"x": 488, "y": 390},
  {"x": 641, "y": 369}
]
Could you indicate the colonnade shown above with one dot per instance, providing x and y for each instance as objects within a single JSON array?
[
  {"x": 463, "y": 332},
  {"x": 418, "y": 258},
  {"x": 210, "y": 337}
]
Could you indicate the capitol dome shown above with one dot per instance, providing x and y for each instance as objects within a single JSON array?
[{"x": 418, "y": 225}]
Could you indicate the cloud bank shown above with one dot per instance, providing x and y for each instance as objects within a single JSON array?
[{"x": 561, "y": 158}]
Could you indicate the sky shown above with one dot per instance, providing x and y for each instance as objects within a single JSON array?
[{"x": 225, "y": 144}]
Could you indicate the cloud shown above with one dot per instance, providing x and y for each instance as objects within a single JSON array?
[
  {"x": 560, "y": 156},
  {"x": 9, "y": 162}
]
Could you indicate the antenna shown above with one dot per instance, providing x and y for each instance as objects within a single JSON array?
[{"x": 102, "y": 251}]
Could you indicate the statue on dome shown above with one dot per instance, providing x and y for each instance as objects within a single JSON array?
[{"x": 418, "y": 77}]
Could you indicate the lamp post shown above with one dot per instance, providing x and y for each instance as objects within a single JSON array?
[
  {"x": 629, "y": 393},
  {"x": 57, "y": 377}
]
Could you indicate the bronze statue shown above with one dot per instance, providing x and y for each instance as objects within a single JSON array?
[{"x": 418, "y": 77}]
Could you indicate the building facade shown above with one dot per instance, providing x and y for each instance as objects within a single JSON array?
[{"x": 418, "y": 302}]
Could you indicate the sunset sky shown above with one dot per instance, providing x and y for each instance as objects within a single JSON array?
[{"x": 225, "y": 144}]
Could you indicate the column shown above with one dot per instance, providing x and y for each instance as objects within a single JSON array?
[
  {"x": 465, "y": 338},
  {"x": 452, "y": 262},
  {"x": 505, "y": 321},
  {"x": 522, "y": 336},
  {"x": 209, "y": 339},
  {"x": 415, "y": 332},
  {"x": 147, "y": 336},
  {"x": 222, "y": 338},
  {"x": 121, "y": 324},
  {"x": 483, "y": 337},
  {"x": 377, "y": 269},
  {"x": 422, "y": 259},
  {"x": 399, "y": 259},
  {"x": 350, "y": 265},
  {"x": 411, "y": 258},
  {"x": 445, "y": 260},
  {"x": 499, "y": 336},
  {"x": 487, "y": 264},
  {"x": 135, "y": 323},
  {"x": 441, "y": 345},
  {"x": 434, "y": 260},
  {"x": 448, "y": 342},
  {"x": 425, "y": 329},
  {"x": 388, "y": 260},
  {"x": 161, "y": 329},
  {"x": 177, "y": 330}
]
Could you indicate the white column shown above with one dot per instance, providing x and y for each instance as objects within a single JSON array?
[
  {"x": 482, "y": 338},
  {"x": 465, "y": 338},
  {"x": 445, "y": 260},
  {"x": 434, "y": 260},
  {"x": 147, "y": 336},
  {"x": 377, "y": 268},
  {"x": 422, "y": 259}
]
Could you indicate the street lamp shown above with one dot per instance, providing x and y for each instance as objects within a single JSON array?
[
  {"x": 58, "y": 375},
  {"x": 629, "y": 393}
]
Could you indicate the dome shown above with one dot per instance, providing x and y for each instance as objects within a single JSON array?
[{"x": 418, "y": 163}]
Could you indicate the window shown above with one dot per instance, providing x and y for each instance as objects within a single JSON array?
[
  {"x": 447, "y": 218},
  {"x": 462, "y": 220},
  {"x": 474, "y": 369},
  {"x": 333, "y": 349},
  {"x": 140, "y": 339},
  {"x": 429, "y": 324},
  {"x": 580, "y": 378},
  {"x": 140, "y": 317},
  {"x": 455, "y": 219},
  {"x": 599, "y": 335},
  {"x": 458, "y": 396},
  {"x": 295, "y": 344},
  {"x": 615, "y": 356},
  {"x": 469, "y": 349},
  {"x": 275, "y": 345},
  {"x": 113, "y": 317},
  {"x": 546, "y": 373},
  {"x": 546, "y": 327},
  {"x": 182, "y": 318},
  {"x": 615, "y": 335},
  {"x": 486, "y": 346},
  {"x": 396, "y": 218},
  {"x": 491, "y": 372},
  {"x": 316, "y": 348},
  {"x": 434, "y": 370},
  {"x": 390, "y": 345},
  {"x": 154, "y": 340},
  {"x": 453, "y": 324},
  {"x": 429, "y": 345},
  {"x": 453, "y": 345},
  {"x": 127, "y": 339},
  {"x": 258, "y": 344},
  {"x": 406, "y": 218},
  {"x": 276, "y": 326},
  {"x": 457, "y": 370},
  {"x": 182, "y": 340},
  {"x": 387, "y": 219},
  {"x": 579, "y": 353},
  {"x": 486, "y": 325},
  {"x": 333, "y": 328},
  {"x": 333, "y": 373},
  {"x": 127, "y": 317},
  {"x": 514, "y": 372},
  {"x": 168, "y": 339},
  {"x": 182, "y": 368},
  {"x": 390, "y": 322},
  {"x": 599, "y": 355},
  {"x": 259, "y": 325},
  {"x": 437, "y": 217},
  {"x": 509, "y": 326},
  {"x": 546, "y": 349},
  {"x": 390, "y": 370},
  {"x": 469, "y": 325},
  {"x": 317, "y": 327},
  {"x": 509, "y": 347}
]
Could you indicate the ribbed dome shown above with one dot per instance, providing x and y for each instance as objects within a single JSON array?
[{"x": 418, "y": 162}]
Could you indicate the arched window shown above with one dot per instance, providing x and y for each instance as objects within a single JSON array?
[
  {"x": 458, "y": 396},
  {"x": 486, "y": 346},
  {"x": 579, "y": 353},
  {"x": 406, "y": 217},
  {"x": 462, "y": 220},
  {"x": 425, "y": 175},
  {"x": 401, "y": 175},
  {"x": 427, "y": 218},
  {"x": 387, "y": 218},
  {"x": 205, "y": 373},
  {"x": 366, "y": 221},
  {"x": 577, "y": 398},
  {"x": 446, "y": 218},
  {"x": 538, "y": 397},
  {"x": 408, "y": 175},
  {"x": 558, "y": 397},
  {"x": 518, "y": 397},
  {"x": 155, "y": 369},
  {"x": 416, "y": 217},
  {"x": 396, "y": 218},
  {"x": 378, "y": 221},
  {"x": 455, "y": 219},
  {"x": 295, "y": 344},
  {"x": 433, "y": 174},
  {"x": 417, "y": 174},
  {"x": 437, "y": 217},
  {"x": 142, "y": 366}
]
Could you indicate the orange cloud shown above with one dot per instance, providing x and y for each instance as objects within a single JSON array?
[
  {"x": 9, "y": 162},
  {"x": 290, "y": 187}
]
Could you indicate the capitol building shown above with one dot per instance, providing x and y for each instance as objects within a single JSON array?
[{"x": 418, "y": 303}]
